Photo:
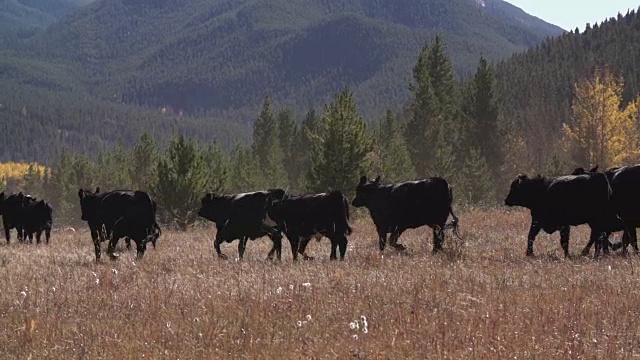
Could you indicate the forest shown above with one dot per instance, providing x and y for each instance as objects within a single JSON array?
[{"x": 460, "y": 131}]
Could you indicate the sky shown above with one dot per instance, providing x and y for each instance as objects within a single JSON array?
[{"x": 569, "y": 14}]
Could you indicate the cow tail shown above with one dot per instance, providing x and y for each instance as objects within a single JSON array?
[
  {"x": 454, "y": 219},
  {"x": 347, "y": 216}
]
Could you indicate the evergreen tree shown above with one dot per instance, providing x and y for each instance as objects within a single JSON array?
[
  {"x": 61, "y": 187},
  {"x": 144, "y": 163},
  {"x": 288, "y": 132},
  {"x": 477, "y": 186},
  {"x": 266, "y": 149},
  {"x": 182, "y": 181},
  {"x": 481, "y": 108},
  {"x": 394, "y": 162},
  {"x": 32, "y": 182},
  {"x": 113, "y": 168},
  {"x": 244, "y": 171},
  {"x": 218, "y": 168},
  {"x": 420, "y": 132},
  {"x": 304, "y": 143},
  {"x": 340, "y": 147}
]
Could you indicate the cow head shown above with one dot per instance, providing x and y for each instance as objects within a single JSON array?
[
  {"x": 523, "y": 191},
  {"x": 89, "y": 204},
  {"x": 365, "y": 190},
  {"x": 209, "y": 207},
  {"x": 582, "y": 171}
]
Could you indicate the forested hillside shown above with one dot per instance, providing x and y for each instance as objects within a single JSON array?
[
  {"x": 117, "y": 66},
  {"x": 537, "y": 87}
]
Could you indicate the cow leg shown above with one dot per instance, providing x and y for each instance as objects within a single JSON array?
[
  {"x": 602, "y": 244},
  {"x": 334, "y": 248},
  {"x": 95, "y": 236},
  {"x": 113, "y": 241},
  {"x": 593, "y": 237},
  {"x": 633, "y": 239},
  {"x": 564, "y": 240},
  {"x": 242, "y": 246},
  {"x": 20, "y": 234},
  {"x": 276, "y": 248},
  {"x": 294, "y": 240},
  {"x": 342, "y": 243},
  {"x": 534, "y": 230},
  {"x": 38, "y": 236},
  {"x": 438, "y": 238},
  {"x": 393, "y": 237},
  {"x": 302, "y": 247},
  {"x": 216, "y": 244},
  {"x": 7, "y": 233},
  {"x": 382, "y": 238},
  {"x": 141, "y": 246}
]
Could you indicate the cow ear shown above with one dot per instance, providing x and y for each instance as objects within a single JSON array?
[
  {"x": 97, "y": 189},
  {"x": 377, "y": 180},
  {"x": 81, "y": 194},
  {"x": 1, "y": 196},
  {"x": 363, "y": 179},
  {"x": 208, "y": 197},
  {"x": 594, "y": 169}
]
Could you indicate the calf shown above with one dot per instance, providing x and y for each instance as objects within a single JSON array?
[
  {"x": 12, "y": 209},
  {"x": 557, "y": 203},
  {"x": 121, "y": 213},
  {"x": 37, "y": 218},
  {"x": 395, "y": 208},
  {"x": 306, "y": 216},
  {"x": 242, "y": 217}
]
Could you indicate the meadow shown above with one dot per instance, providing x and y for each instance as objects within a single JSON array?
[{"x": 480, "y": 298}]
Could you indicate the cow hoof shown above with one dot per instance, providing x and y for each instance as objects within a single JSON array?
[
  {"x": 584, "y": 252},
  {"x": 222, "y": 256},
  {"x": 306, "y": 257},
  {"x": 399, "y": 247},
  {"x": 114, "y": 256},
  {"x": 529, "y": 253}
]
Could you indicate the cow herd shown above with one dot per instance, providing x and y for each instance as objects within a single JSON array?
[{"x": 606, "y": 201}]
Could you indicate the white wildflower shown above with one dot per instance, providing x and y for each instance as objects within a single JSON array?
[
  {"x": 279, "y": 290},
  {"x": 355, "y": 337},
  {"x": 299, "y": 323},
  {"x": 308, "y": 317},
  {"x": 306, "y": 284},
  {"x": 114, "y": 271},
  {"x": 290, "y": 287}
]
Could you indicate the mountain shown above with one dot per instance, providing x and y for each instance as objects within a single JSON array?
[
  {"x": 20, "y": 19},
  {"x": 220, "y": 58}
]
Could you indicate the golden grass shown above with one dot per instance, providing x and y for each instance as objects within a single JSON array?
[{"x": 483, "y": 299}]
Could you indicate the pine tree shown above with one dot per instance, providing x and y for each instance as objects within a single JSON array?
[
  {"x": 481, "y": 108},
  {"x": 244, "y": 171},
  {"x": 340, "y": 147},
  {"x": 421, "y": 128},
  {"x": 288, "y": 132},
  {"x": 394, "y": 162},
  {"x": 32, "y": 181},
  {"x": 266, "y": 149},
  {"x": 218, "y": 168},
  {"x": 304, "y": 143},
  {"x": 61, "y": 185},
  {"x": 144, "y": 163},
  {"x": 477, "y": 186},
  {"x": 113, "y": 168},
  {"x": 182, "y": 181}
]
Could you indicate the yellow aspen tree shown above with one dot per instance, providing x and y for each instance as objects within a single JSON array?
[{"x": 601, "y": 132}]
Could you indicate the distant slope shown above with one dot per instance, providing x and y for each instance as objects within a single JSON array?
[
  {"x": 224, "y": 55},
  {"x": 21, "y": 19},
  {"x": 220, "y": 58}
]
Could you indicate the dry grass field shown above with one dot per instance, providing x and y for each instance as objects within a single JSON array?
[{"x": 482, "y": 299}]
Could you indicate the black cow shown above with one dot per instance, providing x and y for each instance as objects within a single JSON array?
[
  {"x": 557, "y": 203},
  {"x": 12, "y": 209},
  {"x": 38, "y": 217},
  {"x": 119, "y": 213},
  {"x": 395, "y": 208},
  {"x": 303, "y": 217},
  {"x": 242, "y": 217}
]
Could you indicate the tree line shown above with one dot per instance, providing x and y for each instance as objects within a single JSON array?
[{"x": 450, "y": 129}]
